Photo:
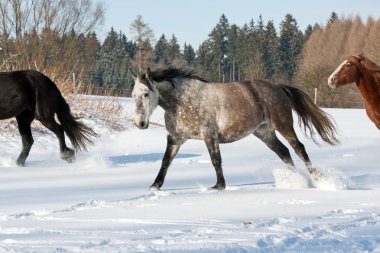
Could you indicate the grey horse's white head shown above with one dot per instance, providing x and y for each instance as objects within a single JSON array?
[{"x": 146, "y": 98}]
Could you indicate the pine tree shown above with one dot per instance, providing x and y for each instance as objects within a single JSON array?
[
  {"x": 333, "y": 17},
  {"x": 307, "y": 33},
  {"x": 260, "y": 34},
  {"x": 102, "y": 68},
  {"x": 270, "y": 50},
  {"x": 233, "y": 51},
  {"x": 204, "y": 60},
  {"x": 160, "y": 50},
  {"x": 219, "y": 45},
  {"x": 252, "y": 47},
  {"x": 129, "y": 46},
  {"x": 188, "y": 54},
  {"x": 290, "y": 47},
  {"x": 173, "y": 49},
  {"x": 112, "y": 63},
  {"x": 110, "y": 42}
]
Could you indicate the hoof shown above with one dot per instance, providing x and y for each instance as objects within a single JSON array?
[
  {"x": 68, "y": 156},
  {"x": 154, "y": 188},
  {"x": 219, "y": 187},
  {"x": 69, "y": 159},
  {"x": 20, "y": 162},
  {"x": 316, "y": 175}
]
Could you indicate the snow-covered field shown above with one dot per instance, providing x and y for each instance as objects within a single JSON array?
[{"x": 102, "y": 203}]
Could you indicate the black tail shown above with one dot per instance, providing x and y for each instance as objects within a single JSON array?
[
  {"x": 79, "y": 134},
  {"x": 311, "y": 116}
]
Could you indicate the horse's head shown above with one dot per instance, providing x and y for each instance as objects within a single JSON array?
[
  {"x": 347, "y": 72},
  {"x": 146, "y": 98}
]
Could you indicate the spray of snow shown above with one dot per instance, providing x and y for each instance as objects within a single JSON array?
[
  {"x": 334, "y": 180},
  {"x": 288, "y": 179},
  {"x": 6, "y": 160}
]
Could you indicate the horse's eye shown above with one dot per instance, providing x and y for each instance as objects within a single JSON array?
[{"x": 146, "y": 95}]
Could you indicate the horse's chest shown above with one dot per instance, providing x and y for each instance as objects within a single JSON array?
[
  {"x": 189, "y": 120},
  {"x": 186, "y": 122},
  {"x": 373, "y": 112}
]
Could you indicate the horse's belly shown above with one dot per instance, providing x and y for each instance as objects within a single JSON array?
[
  {"x": 183, "y": 127},
  {"x": 234, "y": 126},
  {"x": 228, "y": 128},
  {"x": 233, "y": 135},
  {"x": 11, "y": 105}
]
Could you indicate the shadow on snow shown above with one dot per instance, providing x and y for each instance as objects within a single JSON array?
[{"x": 150, "y": 157}]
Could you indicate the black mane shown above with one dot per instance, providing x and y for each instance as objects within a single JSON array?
[{"x": 171, "y": 73}]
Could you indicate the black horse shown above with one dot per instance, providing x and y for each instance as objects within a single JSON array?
[{"x": 29, "y": 95}]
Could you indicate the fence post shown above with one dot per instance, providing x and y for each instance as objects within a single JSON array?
[
  {"x": 74, "y": 88},
  {"x": 315, "y": 95}
]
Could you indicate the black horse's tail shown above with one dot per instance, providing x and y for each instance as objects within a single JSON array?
[
  {"x": 48, "y": 95},
  {"x": 79, "y": 134},
  {"x": 311, "y": 116}
]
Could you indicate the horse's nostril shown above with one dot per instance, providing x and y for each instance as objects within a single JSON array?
[{"x": 142, "y": 124}]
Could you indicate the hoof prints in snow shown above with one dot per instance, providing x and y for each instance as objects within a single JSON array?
[{"x": 316, "y": 233}]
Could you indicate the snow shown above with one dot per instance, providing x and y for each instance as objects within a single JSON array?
[{"x": 102, "y": 203}]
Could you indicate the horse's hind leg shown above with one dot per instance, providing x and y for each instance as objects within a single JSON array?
[
  {"x": 66, "y": 154},
  {"x": 172, "y": 148},
  {"x": 268, "y": 136},
  {"x": 300, "y": 150},
  {"x": 24, "y": 120}
]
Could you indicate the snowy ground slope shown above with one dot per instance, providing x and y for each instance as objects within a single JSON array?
[{"x": 101, "y": 203}]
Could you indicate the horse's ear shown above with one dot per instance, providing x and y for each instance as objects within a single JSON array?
[
  {"x": 359, "y": 57},
  {"x": 133, "y": 74},
  {"x": 148, "y": 79},
  {"x": 148, "y": 75}
]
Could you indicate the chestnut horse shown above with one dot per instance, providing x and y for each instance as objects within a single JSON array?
[
  {"x": 226, "y": 112},
  {"x": 366, "y": 74}
]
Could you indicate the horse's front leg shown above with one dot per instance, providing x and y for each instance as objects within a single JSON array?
[
  {"x": 23, "y": 121},
  {"x": 27, "y": 142},
  {"x": 172, "y": 147},
  {"x": 214, "y": 151}
]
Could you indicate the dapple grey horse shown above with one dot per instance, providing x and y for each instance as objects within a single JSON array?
[{"x": 226, "y": 112}]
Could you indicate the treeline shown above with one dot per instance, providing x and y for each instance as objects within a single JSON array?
[
  {"x": 230, "y": 53},
  {"x": 52, "y": 36},
  {"x": 59, "y": 39}
]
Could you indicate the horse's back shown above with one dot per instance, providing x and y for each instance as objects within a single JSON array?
[
  {"x": 234, "y": 109},
  {"x": 255, "y": 102},
  {"x": 16, "y": 94},
  {"x": 24, "y": 90},
  {"x": 22, "y": 79}
]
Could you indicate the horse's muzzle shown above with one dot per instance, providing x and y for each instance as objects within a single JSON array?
[
  {"x": 142, "y": 124},
  {"x": 331, "y": 82}
]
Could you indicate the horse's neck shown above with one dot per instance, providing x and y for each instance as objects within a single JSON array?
[
  {"x": 167, "y": 100},
  {"x": 369, "y": 88}
]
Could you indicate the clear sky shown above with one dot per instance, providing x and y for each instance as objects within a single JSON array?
[{"x": 192, "y": 20}]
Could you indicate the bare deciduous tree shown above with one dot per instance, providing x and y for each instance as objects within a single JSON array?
[
  {"x": 143, "y": 36},
  {"x": 37, "y": 30}
]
